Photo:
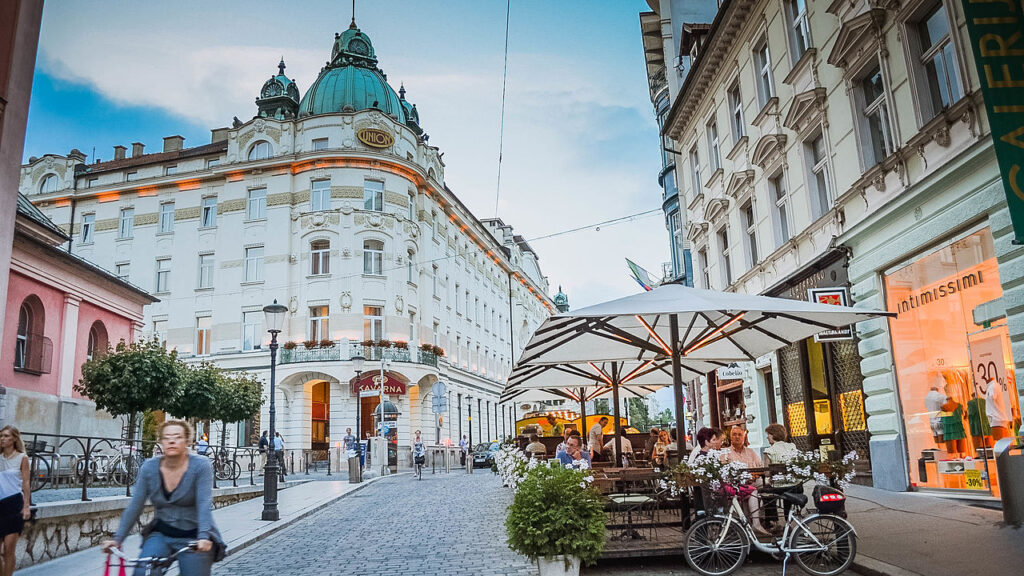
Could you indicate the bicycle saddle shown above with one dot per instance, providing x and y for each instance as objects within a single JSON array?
[{"x": 799, "y": 500}]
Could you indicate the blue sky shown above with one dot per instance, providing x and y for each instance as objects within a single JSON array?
[
  {"x": 581, "y": 142},
  {"x": 580, "y": 139}
]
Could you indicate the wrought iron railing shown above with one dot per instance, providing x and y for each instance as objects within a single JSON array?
[{"x": 302, "y": 354}]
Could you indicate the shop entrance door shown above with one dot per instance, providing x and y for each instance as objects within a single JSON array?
[
  {"x": 366, "y": 420},
  {"x": 823, "y": 397},
  {"x": 319, "y": 422}
]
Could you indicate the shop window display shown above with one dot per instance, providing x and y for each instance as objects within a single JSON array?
[{"x": 953, "y": 363}]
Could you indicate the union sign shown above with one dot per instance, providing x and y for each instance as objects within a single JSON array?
[{"x": 375, "y": 138}]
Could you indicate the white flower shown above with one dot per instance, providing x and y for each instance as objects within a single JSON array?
[
  {"x": 589, "y": 479},
  {"x": 583, "y": 484}
]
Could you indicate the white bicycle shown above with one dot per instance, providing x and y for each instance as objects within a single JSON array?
[{"x": 821, "y": 544}]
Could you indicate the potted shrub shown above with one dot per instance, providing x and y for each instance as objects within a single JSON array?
[
  {"x": 438, "y": 350},
  {"x": 290, "y": 345},
  {"x": 325, "y": 343},
  {"x": 557, "y": 518},
  {"x": 310, "y": 344}
]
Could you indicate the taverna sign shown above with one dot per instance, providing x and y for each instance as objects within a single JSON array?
[{"x": 375, "y": 138}]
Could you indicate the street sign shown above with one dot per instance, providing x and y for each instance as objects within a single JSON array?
[
  {"x": 368, "y": 393},
  {"x": 995, "y": 29},
  {"x": 440, "y": 398},
  {"x": 386, "y": 429}
]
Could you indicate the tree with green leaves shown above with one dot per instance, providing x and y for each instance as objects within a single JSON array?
[
  {"x": 197, "y": 396},
  {"x": 238, "y": 397},
  {"x": 602, "y": 406},
  {"x": 131, "y": 378}
]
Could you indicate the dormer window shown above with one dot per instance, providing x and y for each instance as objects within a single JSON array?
[
  {"x": 260, "y": 151},
  {"x": 49, "y": 184}
]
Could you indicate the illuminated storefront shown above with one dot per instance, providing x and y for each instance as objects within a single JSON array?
[
  {"x": 821, "y": 383},
  {"x": 954, "y": 368}
]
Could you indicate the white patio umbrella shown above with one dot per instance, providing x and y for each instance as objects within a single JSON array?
[{"x": 716, "y": 327}]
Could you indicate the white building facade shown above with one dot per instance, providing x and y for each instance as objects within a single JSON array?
[
  {"x": 840, "y": 151},
  {"x": 334, "y": 205}
]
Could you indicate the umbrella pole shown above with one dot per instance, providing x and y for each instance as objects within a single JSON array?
[
  {"x": 677, "y": 381},
  {"x": 583, "y": 414},
  {"x": 618, "y": 427}
]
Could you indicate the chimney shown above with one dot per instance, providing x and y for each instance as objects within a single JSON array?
[
  {"x": 137, "y": 149},
  {"x": 219, "y": 134},
  {"x": 119, "y": 152},
  {"x": 173, "y": 143}
]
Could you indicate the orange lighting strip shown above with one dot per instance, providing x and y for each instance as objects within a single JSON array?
[
  {"x": 654, "y": 335},
  {"x": 703, "y": 341},
  {"x": 636, "y": 372},
  {"x": 601, "y": 373}
]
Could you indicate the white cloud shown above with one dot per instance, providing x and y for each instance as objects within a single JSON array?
[{"x": 572, "y": 126}]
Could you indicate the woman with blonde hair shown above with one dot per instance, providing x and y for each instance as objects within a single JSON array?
[
  {"x": 15, "y": 494},
  {"x": 180, "y": 487},
  {"x": 660, "y": 451}
]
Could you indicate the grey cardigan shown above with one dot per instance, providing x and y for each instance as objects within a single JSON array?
[{"x": 191, "y": 503}]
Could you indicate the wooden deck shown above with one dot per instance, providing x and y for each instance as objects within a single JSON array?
[{"x": 666, "y": 541}]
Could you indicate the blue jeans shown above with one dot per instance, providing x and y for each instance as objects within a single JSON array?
[{"x": 189, "y": 563}]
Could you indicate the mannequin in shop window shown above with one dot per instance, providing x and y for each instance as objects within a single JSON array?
[
  {"x": 933, "y": 401},
  {"x": 977, "y": 421},
  {"x": 995, "y": 408},
  {"x": 953, "y": 427}
]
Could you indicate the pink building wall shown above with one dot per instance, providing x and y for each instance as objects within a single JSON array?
[
  {"x": 19, "y": 288},
  {"x": 118, "y": 328}
]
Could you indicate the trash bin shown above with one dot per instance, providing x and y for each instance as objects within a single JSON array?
[
  {"x": 1010, "y": 469},
  {"x": 355, "y": 471}
]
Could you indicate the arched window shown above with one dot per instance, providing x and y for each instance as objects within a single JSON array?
[
  {"x": 373, "y": 257},
  {"x": 32, "y": 351},
  {"x": 260, "y": 150},
  {"x": 49, "y": 184},
  {"x": 320, "y": 257},
  {"x": 97, "y": 345}
]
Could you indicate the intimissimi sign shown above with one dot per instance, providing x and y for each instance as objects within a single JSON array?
[{"x": 940, "y": 291}]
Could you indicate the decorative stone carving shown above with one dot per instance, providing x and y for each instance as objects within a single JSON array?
[
  {"x": 293, "y": 305},
  {"x": 375, "y": 219},
  {"x": 345, "y": 301},
  {"x": 399, "y": 303},
  {"x": 259, "y": 125},
  {"x": 807, "y": 108},
  {"x": 857, "y": 36},
  {"x": 768, "y": 148}
]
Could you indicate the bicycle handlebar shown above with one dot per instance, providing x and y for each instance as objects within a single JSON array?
[{"x": 153, "y": 559}]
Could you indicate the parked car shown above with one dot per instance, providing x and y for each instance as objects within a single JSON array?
[{"x": 483, "y": 454}]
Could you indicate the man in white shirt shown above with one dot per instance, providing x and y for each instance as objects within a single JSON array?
[
  {"x": 627, "y": 448},
  {"x": 596, "y": 440}
]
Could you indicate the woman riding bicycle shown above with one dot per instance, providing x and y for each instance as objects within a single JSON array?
[
  {"x": 419, "y": 452},
  {"x": 180, "y": 487}
]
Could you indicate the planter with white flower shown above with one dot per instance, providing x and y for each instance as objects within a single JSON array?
[{"x": 557, "y": 518}]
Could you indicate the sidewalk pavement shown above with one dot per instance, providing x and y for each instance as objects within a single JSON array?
[
  {"x": 907, "y": 533},
  {"x": 240, "y": 525}
]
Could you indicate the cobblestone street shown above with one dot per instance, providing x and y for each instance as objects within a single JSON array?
[{"x": 444, "y": 525}]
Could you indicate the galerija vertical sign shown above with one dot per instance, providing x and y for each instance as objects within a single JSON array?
[{"x": 996, "y": 28}]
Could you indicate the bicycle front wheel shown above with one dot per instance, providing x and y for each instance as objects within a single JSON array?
[
  {"x": 835, "y": 538},
  {"x": 39, "y": 473},
  {"x": 715, "y": 547}
]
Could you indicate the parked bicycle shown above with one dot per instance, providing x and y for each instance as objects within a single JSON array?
[
  {"x": 823, "y": 544},
  {"x": 121, "y": 467},
  {"x": 225, "y": 468},
  {"x": 151, "y": 564}
]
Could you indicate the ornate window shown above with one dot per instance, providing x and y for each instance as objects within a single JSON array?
[
  {"x": 750, "y": 229},
  {"x": 254, "y": 264},
  {"x": 260, "y": 150},
  {"x": 167, "y": 217},
  {"x": 98, "y": 341},
  {"x": 373, "y": 257},
  {"x": 875, "y": 126},
  {"x": 209, "y": 212},
  {"x": 205, "y": 271},
  {"x": 49, "y": 184},
  {"x": 724, "y": 259},
  {"x": 713, "y": 146},
  {"x": 799, "y": 28},
  {"x": 739, "y": 129},
  {"x": 820, "y": 187},
  {"x": 373, "y": 195},
  {"x": 320, "y": 195},
  {"x": 320, "y": 257},
  {"x": 21, "y": 342},
  {"x": 32, "y": 351},
  {"x": 763, "y": 69},
  {"x": 696, "y": 182},
  {"x": 256, "y": 207},
  {"x": 88, "y": 228},
  {"x": 319, "y": 323},
  {"x": 127, "y": 223},
  {"x": 780, "y": 199},
  {"x": 935, "y": 68},
  {"x": 163, "y": 275},
  {"x": 373, "y": 323}
]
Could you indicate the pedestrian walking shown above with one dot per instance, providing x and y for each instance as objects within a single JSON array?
[
  {"x": 279, "y": 454},
  {"x": 464, "y": 445},
  {"x": 15, "y": 494},
  {"x": 263, "y": 447},
  {"x": 349, "y": 441},
  {"x": 179, "y": 485}
]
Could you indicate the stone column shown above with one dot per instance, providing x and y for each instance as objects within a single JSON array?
[{"x": 68, "y": 346}]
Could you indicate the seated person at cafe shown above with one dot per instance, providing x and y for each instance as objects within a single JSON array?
[
  {"x": 535, "y": 447},
  {"x": 650, "y": 441},
  {"x": 627, "y": 447},
  {"x": 565, "y": 436},
  {"x": 707, "y": 439},
  {"x": 659, "y": 455},
  {"x": 573, "y": 453},
  {"x": 740, "y": 451}
]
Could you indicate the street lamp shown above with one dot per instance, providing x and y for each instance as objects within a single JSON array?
[
  {"x": 385, "y": 363},
  {"x": 274, "y": 320},
  {"x": 357, "y": 365}
]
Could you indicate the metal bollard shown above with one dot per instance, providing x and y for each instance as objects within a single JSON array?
[
  {"x": 469, "y": 462},
  {"x": 1010, "y": 469}
]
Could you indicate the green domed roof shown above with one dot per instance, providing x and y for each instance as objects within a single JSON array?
[{"x": 351, "y": 81}]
